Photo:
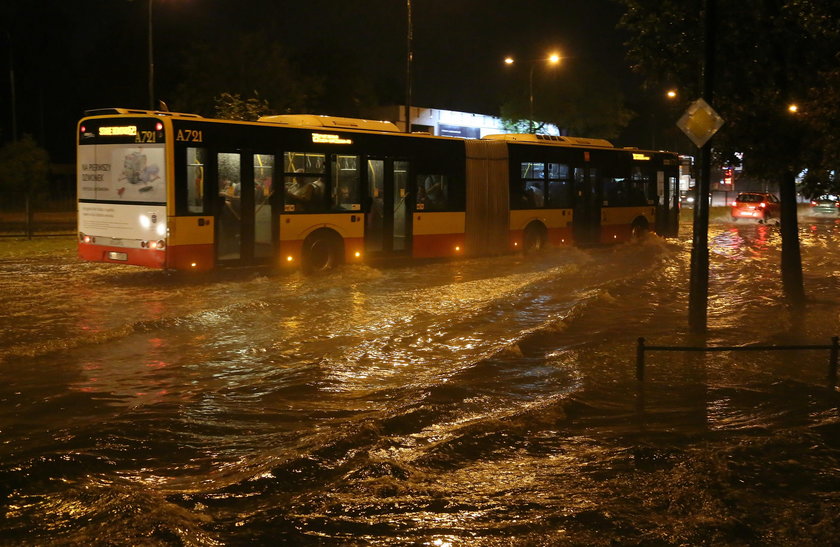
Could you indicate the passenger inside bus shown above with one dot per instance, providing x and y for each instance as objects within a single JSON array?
[
  {"x": 431, "y": 192},
  {"x": 534, "y": 194},
  {"x": 305, "y": 193}
]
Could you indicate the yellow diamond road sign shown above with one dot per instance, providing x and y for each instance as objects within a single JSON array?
[{"x": 700, "y": 122}]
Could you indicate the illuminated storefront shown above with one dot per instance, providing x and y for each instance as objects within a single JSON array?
[{"x": 446, "y": 123}]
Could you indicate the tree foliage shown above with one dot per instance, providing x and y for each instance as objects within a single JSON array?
[
  {"x": 769, "y": 54},
  {"x": 584, "y": 102},
  {"x": 250, "y": 68},
  {"x": 24, "y": 167},
  {"x": 234, "y": 107}
]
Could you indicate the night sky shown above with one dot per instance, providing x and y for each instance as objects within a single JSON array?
[{"x": 69, "y": 56}]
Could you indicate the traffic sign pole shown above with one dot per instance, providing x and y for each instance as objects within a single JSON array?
[
  {"x": 699, "y": 286},
  {"x": 698, "y": 299}
]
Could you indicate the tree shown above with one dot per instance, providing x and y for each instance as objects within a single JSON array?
[
  {"x": 24, "y": 171},
  {"x": 769, "y": 54},
  {"x": 818, "y": 183},
  {"x": 252, "y": 67},
  {"x": 234, "y": 107},
  {"x": 24, "y": 168},
  {"x": 582, "y": 101}
]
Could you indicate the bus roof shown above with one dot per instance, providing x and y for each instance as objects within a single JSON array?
[
  {"x": 549, "y": 139},
  {"x": 122, "y": 111},
  {"x": 336, "y": 122},
  {"x": 309, "y": 120}
]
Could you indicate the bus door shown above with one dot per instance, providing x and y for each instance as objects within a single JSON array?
[
  {"x": 586, "y": 223},
  {"x": 668, "y": 202},
  {"x": 243, "y": 208},
  {"x": 388, "y": 227}
]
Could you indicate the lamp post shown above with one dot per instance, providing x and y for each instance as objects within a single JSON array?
[
  {"x": 409, "y": 58},
  {"x": 671, "y": 97},
  {"x": 552, "y": 59},
  {"x": 151, "y": 63}
]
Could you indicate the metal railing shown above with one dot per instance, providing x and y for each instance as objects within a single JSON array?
[{"x": 833, "y": 349}]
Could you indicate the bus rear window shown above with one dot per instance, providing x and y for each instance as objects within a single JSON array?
[{"x": 122, "y": 173}]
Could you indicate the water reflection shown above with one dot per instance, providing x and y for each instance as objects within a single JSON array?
[{"x": 752, "y": 242}]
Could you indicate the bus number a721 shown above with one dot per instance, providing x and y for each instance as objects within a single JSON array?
[
  {"x": 190, "y": 135},
  {"x": 145, "y": 136}
]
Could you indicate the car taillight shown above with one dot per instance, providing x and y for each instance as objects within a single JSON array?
[
  {"x": 813, "y": 204},
  {"x": 763, "y": 204},
  {"x": 734, "y": 203}
]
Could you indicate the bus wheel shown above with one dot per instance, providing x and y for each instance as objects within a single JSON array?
[
  {"x": 534, "y": 239},
  {"x": 321, "y": 252},
  {"x": 639, "y": 229}
]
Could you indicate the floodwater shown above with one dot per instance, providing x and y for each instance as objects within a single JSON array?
[{"x": 488, "y": 401}]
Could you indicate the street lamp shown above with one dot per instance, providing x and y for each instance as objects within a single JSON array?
[{"x": 552, "y": 59}]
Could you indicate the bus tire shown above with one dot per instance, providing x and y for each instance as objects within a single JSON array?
[
  {"x": 535, "y": 238},
  {"x": 640, "y": 229},
  {"x": 323, "y": 250}
]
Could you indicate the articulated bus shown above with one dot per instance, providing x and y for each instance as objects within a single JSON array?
[{"x": 183, "y": 192}]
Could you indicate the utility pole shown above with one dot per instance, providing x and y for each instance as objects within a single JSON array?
[
  {"x": 13, "y": 94},
  {"x": 151, "y": 62},
  {"x": 408, "y": 59}
]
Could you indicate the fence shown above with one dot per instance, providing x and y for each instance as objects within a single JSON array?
[
  {"x": 833, "y": 348},
  {"x": 20, "y": 217}
]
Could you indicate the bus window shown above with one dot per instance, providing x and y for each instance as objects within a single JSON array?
[
  {"x": 230, "y": 217},
  {"x": 263, "y": 189},
  {"x": 529, "y": 191},
  {"x": 346, "y": 183},
  {"x": 303, "y": 181},
  {"x": 559, "y": 186},
  {"x": 432, "y": 192},
  {"x": 375, "y": 221},
  {"x": 614, "y": 190},
  {"x": 263, "y": 177},
  {"x": 229, "y": 175},
  {"x": 400, "y": 194},
  {"x": 195, "y": 180},
  {"x": 640, "y": 188}
]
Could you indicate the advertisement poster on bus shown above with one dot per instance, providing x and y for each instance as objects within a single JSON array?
[
  {"x": 122, "y": 173},
  {"x": 128, "y": 223}
]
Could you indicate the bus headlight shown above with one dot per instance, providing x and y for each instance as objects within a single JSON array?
[
  {"x": 145, "y": 221},
  {"x": 161, "y": 229}
]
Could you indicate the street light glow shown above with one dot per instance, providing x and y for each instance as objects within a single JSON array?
[
  {"x": 552, "y": 59},
  {"x": 672, "y": 94},
  {"x": 793, "y": 108}
]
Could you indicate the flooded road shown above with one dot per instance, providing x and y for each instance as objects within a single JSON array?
[{"x": 487, "y": 401}]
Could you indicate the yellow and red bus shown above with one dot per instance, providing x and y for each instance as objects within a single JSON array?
[{"x": 183, "y": 192}]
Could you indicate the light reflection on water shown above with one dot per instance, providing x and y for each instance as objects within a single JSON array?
[{"x": 468, "y": 402}]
